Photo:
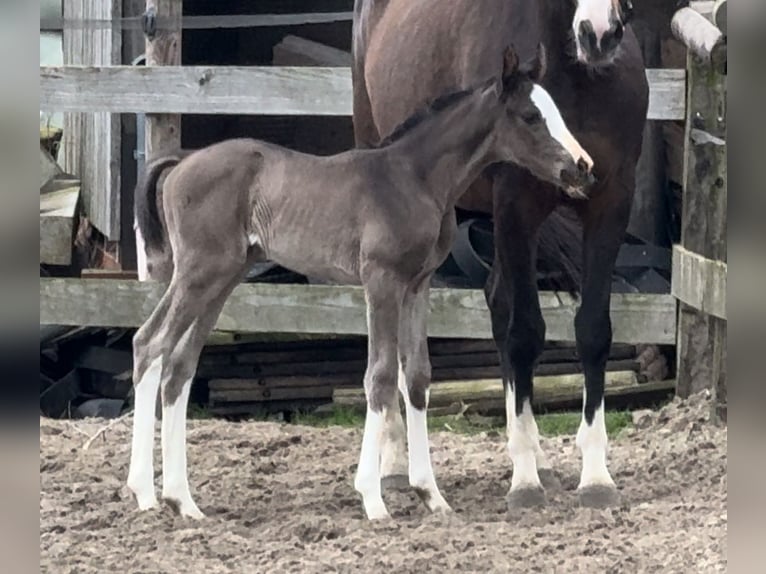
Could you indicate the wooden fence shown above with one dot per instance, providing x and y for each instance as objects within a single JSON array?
[
  {"x": 164, "y": 89},
  {"x": 699, "y": 262}
]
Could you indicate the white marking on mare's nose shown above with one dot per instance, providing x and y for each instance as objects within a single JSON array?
[
  {"x": 598, "y": 12},
  {"x": 556, "y": 125}
]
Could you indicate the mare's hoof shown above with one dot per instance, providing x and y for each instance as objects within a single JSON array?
[
  {"x": 598, "y": 496},
  {"x": 526, "y": 497},
  {"x": 549, "y": 478},
  {"x": 397, "y": 482}
]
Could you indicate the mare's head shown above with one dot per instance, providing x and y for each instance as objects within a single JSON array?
[
  {"x": 530, "y": 131},
  {"x": 598, "y": 27}
]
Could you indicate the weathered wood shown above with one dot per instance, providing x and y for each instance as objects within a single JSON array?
[
  {"x": 57, "y": 219},
  {"x": 49, "y": 169},
  {"x": 701, "y": 345},
  {"x": 546, "y": 389},
  {"x": 699, "y": 282},
  {"x": 90, "y": 146},
  {"x": 163, "y": 130},
  {"x": 297, "y": 51},
  {"x": 701, "y": 37},
  {"x": 321, "y": 91},
  {"x": 287, "y": 308},
  {"x": 720, "y": 16}
]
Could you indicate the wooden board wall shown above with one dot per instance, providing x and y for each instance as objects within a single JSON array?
[{"x": 90, "y": 146}]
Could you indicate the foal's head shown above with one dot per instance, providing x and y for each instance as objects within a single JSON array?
[
  {"x": 598, "y": 27},
  {"x": 530, "y": 131}
]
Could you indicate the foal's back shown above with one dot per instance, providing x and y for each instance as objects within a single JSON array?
[{"x": 309, "y": 213}]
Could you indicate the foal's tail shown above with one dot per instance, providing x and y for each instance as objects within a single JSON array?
[{"x": 154, "y": 257}]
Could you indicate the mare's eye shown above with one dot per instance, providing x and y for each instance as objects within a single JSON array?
[{"x": 532, "y": 117}]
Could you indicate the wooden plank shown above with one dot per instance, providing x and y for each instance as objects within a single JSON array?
[
  {"x": 701, "y": 37},
  {"x": 699, "y": 282},
  {"x": 701, "y": 347},
  {"x": 297, "y": 51},
  {"x": 163, "y": 130},
  {"x": 287, "y": 308},
  {"x": 57, "y": 219},
  {"x": 547, "y": 389},
  {"x": 90, "y": 146},
  {"x": 267, "y": 90},
  {"x": 49, "y": 169}
]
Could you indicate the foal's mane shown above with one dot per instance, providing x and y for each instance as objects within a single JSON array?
[{"x": 436, "y": 105}]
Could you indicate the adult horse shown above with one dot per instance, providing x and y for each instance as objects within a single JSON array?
[{"x": 404, "y": 53}]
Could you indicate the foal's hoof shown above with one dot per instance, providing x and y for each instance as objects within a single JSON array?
[
  {"x": 598, "y": 496},
  {"x": 396, "y": 482},
  {"x": 187, "y": 510},
  {"x": 526, "y": 497},
  {"x": 549, "y": 478}
]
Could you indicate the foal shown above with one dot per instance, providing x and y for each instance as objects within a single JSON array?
[{"x": 382, "y": 218}]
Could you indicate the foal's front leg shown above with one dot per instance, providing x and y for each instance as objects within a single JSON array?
[
  {"x": 384, "y": 301},
  {"x": 414, "y": 380}
]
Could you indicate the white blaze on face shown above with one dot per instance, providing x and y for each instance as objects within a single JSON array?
[
  {"x": 556, "y": 125},
  {"x": 597, "y": 12}
]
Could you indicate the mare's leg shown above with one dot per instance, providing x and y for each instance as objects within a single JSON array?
[
  {"x": 199, "y": 294},
  {"x": 520, "y": 206},
  {"x": 414, "y": 380},
  {"x": 384, "y": 300},
  {"x": 605, "y": 218},
  {"x": 495, "y": 291},
  {"x": 393, "y": 457}
]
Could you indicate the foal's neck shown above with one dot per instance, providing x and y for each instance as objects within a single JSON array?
[{"x": 449, "y": 149}]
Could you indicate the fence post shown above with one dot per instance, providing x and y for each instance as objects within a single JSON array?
[
  {"x": 163, "y": 48},
  {"x": 701, "y": 343}
]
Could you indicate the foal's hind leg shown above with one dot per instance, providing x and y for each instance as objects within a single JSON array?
[
  {"x": 384, "y": 300},
  {"x": 416, "y": 370},
  {"x": 147, "y": 371},
  {"x": 197, "y": 302}
]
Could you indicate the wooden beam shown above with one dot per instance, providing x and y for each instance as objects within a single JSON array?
[
  {"x": 49, "y": 169},
  {"x": 57, "y": 217},
  {"x": 297, "y": 51},
  {"x": 256, "y": 90},
  {"x": 701, "y": 37},
  {"x": 701, "y": 347},
  {"x": 163, "y": 130},
  {"x": 287, "y": 308},
  {"x": 548, "y": 390},
  {"x": 699, "y": 282}
]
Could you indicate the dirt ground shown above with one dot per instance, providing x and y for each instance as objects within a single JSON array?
[{"x": 279, "y": 498}]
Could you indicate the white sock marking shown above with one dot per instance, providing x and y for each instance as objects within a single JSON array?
[
  {"x": 523, "y": 445},
  {"x": 175, "y": 480},
  {"x": 367, "y": 481},
  {"x": 510, "y": 414},
  {"x": 592, "y": 441},
  {"x": 143, "y": 266},
  {"x": 556, "y": 125},
  {"x": 421, "y": 471},
  {"x": 141, "y": 472}
]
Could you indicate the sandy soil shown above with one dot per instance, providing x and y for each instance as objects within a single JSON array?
[{"x": 279, "y": 498}]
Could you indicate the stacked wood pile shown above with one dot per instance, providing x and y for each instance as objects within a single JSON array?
[{"x": 261, "y": 377}]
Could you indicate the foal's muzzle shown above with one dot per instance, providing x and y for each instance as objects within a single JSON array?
[{"x": 577, "y": 179}]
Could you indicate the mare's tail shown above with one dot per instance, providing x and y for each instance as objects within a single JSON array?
[
  {"x": 152, "y": 250},
  {"x": 559, "y": 249}
]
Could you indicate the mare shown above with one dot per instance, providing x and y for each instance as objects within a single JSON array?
[
  {"x": 404, "y": 53},
  {"x": 381, "y": 218}
]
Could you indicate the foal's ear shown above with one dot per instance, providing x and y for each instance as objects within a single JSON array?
[
  {"x": 510, "y": 63},
  {"x": 535, "y": 68}
]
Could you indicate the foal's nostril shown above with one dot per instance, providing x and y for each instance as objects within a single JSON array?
[{"x": 582, "y": 165}]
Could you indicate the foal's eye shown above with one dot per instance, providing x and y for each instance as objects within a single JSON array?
[{"x": 532, "y": 117}]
